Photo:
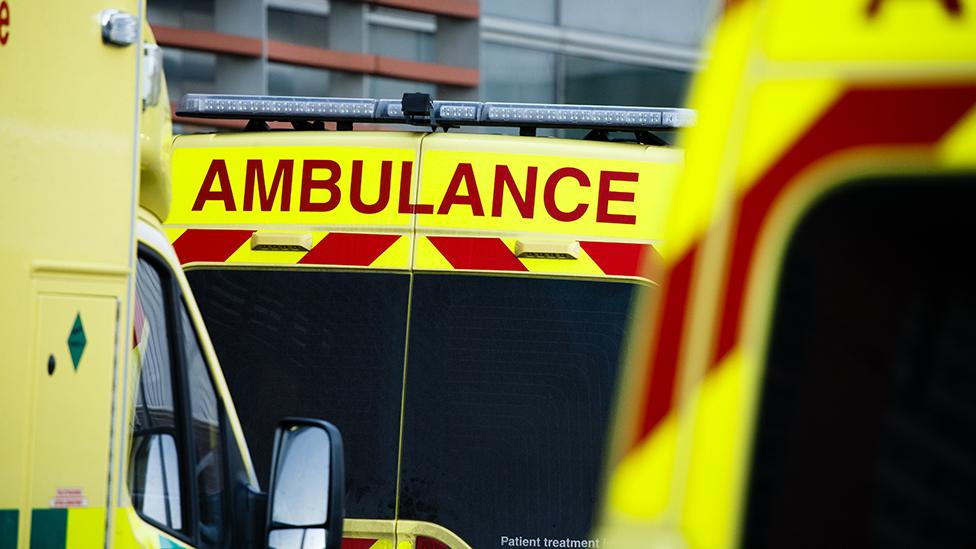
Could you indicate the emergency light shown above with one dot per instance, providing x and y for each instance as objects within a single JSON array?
[{"x": 421, "y": 111}]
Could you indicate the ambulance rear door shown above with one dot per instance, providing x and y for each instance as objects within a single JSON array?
[
  {"x": 69, "y": 103},
  {"x": 526, "y": 262}
]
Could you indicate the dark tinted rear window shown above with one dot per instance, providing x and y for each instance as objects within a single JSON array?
[
  {"x": 867, "y": 420},
  {"x": 509, "y": 387},
  {"x": 317, "y": 344}
]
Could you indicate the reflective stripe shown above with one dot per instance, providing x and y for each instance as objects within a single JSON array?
[{"x": 9, "y": 519}]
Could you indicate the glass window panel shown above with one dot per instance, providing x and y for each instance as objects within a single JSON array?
[
  {"x": 401, "y": 43},
  {"x": 193, "y": 14},
  {"x": 298, "y": 28},
  {"x": 680, "y": 22},
  {"x": 393, "y": 88},
  {"x": 600, "y": 82},
  {"x": 154, "y": 475},
  {"x": 540, "y": 11},
  {"x": 294, "y": 80},
  {"x": 510, "y": 73},
  {"x": 206, "y": 436},
  {"x": 189, "y": 72}
]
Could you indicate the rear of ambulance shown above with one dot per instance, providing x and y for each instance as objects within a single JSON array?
[
  {"x": 808, "y": 368},
  {"x": 456, "y": 303}
]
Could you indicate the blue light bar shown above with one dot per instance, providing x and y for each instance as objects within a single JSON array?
[
  {"x": 442, "y": 114},
  {"x": 263, "y": 107}
]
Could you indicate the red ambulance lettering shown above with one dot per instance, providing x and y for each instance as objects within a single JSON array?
[
  {"x": 310, "y": 183},
  {"x": 524, "y": 202},
  {"x": 321, "y": 192},
  {"x": 405, "y": 206},
  {"x": 464, "y": 172},
  {"x": 606, "y": 196},
  {"x": 356, "y": 188},
  {"x": 549, "y": 194},
  {"x": 218, "y": 171},
  {"x": 282, "y": 177}
]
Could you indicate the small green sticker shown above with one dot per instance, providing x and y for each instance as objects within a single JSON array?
[{"x": 77, "y": 341}]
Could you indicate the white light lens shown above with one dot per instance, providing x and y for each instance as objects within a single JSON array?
[
  {"x": 245, "y": 106},
  {"x": 592, "y": 116},
  {"x": 389, "y": 110},
  {"x": 456, "y": 111}
]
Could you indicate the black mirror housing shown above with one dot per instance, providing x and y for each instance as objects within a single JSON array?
[{"x": 307, "y": 488}]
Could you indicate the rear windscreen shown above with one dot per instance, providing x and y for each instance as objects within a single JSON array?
[
  {"x": 509, "y": 389},
  {"x": 316, "y": 344},
  {"x": 509, "y": 386}
]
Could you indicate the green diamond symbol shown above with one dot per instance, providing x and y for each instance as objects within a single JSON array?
[{"x": 77, "y": 341}]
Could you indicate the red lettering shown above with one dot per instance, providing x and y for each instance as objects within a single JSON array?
[
  {"x": 463, "y": 172},
  {"x": 282, "y": 176},
  {"x": 549, "y": 194},
  {"x": 524, "y": 202},
  {"x": 4, "y": 23},
  {"x": 218, "y": 171},
  {"x": 606, "y": 195},
  {"x": 406, "y": 174},
  {"x": 356, "y": 188},
  {"x": 309, "y": 183}
]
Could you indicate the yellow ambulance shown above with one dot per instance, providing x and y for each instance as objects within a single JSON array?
[
  {"x": 117, "y": 428},
  {"x": 455, "y": 300},
  {"x": 806, "y": 372}
]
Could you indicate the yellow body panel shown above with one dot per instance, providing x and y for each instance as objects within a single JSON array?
[
  {"x": 68, "y": 162},
  {"x": 422, "y": 187},
  {"x": 77, "y": 147},
  {"x": 322, "y": 158},
  {"x": 778, "y": 70},
  {"x": 630, "y": 205}
]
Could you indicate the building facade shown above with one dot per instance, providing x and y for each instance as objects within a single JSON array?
[{"x": 615, "y": 52}]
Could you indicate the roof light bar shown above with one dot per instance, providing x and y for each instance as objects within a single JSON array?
[
  {"x": 262, "y": 107},
  {"x": 584, "y": 116},
  {"x": 442, "y": 113}
]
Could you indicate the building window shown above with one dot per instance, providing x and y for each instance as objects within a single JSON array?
[
  {"x": 298, "y": 28},
  {"x": 189, "y": 72},
  {"x": 190, "y": 14},
  {"x": 511, "y": 73},
  {"x": 393, "y": 88},
  {"x": 402, "y": 34},
  {"x": 599, "y": 82},
  {"x": 538, "y": 11},
  {"x": 680, "y": 22},
  {"x": 293, "y": 80}
]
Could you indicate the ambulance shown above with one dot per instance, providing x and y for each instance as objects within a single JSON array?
[
  {"x": 805, "y": 376},
  {"x": 117, "y": 427},
  {"x": 453, "y": 297}
]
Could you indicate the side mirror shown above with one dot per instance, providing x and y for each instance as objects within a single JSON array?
[{"x": 305, "y": 502}]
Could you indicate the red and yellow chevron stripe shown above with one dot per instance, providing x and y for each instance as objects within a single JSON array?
[
  {"x": 762, "y": 153},
  {"x": 392, "y": 251}
]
